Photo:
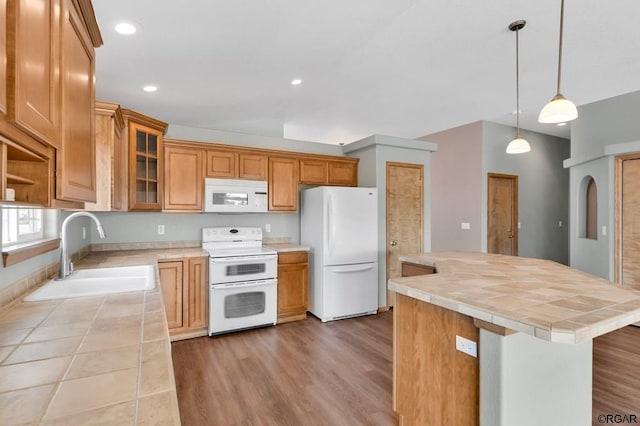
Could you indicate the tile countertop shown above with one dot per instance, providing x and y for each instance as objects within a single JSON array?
[
  {"x": 103, "y": 359},
  {"x": 286, "y": 247},
  {"x": 538, "y": 297}
]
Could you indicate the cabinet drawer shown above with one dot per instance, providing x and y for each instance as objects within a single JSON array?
[
  {"x": 293, "y": 257},
  {"x": 413, "y": 269}
]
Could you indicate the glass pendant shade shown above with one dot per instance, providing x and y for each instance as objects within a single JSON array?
[
  {"x": 518, "y": 146},
  {"x": 558, "y": 110}
]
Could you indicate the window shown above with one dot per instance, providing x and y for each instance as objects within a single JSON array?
[
  {"x": 21, "y": 224},
  {"x": 592, "y": 210}
]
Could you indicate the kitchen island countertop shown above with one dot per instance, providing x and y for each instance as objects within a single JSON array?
[
  {"x": 104, "y": 358},
  {"x": 538, "y": 297}
]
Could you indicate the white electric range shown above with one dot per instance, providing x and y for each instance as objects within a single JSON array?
[{"x": 243, "y": 285}]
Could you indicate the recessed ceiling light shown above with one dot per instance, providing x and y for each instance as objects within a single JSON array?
[
  {"x": 562, "y": 124},
  {"x": 125, "y": 28},
  {"x": 296, "y": 82},
  {"x": 150, "y": 88}
]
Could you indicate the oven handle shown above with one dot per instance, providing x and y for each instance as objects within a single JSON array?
[
  {"x": 241, "y": 258},
  {"x": 245, "y": 284}
]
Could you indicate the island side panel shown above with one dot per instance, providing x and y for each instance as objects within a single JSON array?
[
  {"x": 527, "y": 381},
  {"x": 434, "y": 384}
]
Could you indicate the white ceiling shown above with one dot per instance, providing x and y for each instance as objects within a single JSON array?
[{"x": 403, "y": 68}]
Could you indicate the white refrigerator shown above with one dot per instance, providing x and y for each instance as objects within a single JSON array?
[{"x": 340, "y": 225}]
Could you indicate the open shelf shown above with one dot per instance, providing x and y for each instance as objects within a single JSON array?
[{"x": 19, "y": 179}]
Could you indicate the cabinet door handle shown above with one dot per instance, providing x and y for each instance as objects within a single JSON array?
[{"x": 393, "y": 243}]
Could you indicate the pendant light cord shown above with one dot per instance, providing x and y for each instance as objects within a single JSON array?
[
  {"x": 560, "y": 44},
  {"x": 517, "y": 85}
]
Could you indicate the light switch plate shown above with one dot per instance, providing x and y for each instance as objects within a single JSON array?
[
  {"x": 465, "y": 225},
  {"x": 467, "y": 346}
]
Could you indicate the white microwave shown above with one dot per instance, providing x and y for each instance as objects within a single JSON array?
[{"x": 235, "y": 196}]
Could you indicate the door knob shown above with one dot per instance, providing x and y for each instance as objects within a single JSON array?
[{"x": 393, "y": 243}]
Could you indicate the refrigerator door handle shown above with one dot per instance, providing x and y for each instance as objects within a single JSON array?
[
  {"x": 329, "y": 229},
  {"x": 355, "y": 268}
]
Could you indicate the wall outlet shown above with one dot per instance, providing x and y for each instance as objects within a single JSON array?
[
  {"x": 467, "y": 346},
  {"x": 84, "y": 232},
  {"x": 267, "y": 227},
  {"x": 604, "y": 231},
  {"x": 559, "y": 224},
  {"x": 519, "y": 226},
  {"x": 160, "y": 229},
  {"x": 465, "y": 225}
]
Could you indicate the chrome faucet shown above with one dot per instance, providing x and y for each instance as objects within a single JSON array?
[{"x": 66, "y": 266}]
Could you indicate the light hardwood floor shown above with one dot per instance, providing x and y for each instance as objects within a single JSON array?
[{"x": 339, "y": 373}]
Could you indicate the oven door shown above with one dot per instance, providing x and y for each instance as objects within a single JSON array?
[
  {"x": 237, "y": 306},
  {"x": 224, "y": 270}
]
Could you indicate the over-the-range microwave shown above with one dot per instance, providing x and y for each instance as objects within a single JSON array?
[{"x": 235, "y": 196}]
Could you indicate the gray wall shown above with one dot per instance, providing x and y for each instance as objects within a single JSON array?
[
  {"x": 543, "y": 188},
  {"x": 610, "y": 121},
  {"x": 254, "y": 141},
  {"x": 459, "y": 189},
  {"x": 456, "y": 190},
  {"x": 143, "y": 227},
  {"x": 374, "y": 153},
  {"x": 602, "y": 130}
]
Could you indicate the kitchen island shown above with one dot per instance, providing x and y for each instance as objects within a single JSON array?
[
  {"x": 103, "y": 359},
  {"x": 533, "y": 322}
]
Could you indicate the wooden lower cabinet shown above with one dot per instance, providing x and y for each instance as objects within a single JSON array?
[
  {"x": 293, "y": 283},
  {"x": 433, "y": 383},
  {"x": 186, "y": 296}
]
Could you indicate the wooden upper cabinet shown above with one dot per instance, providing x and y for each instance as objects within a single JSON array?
[
  {"x": 283, "y": 184},
  {"x": 183, "y": 181},
  {"x": 252, "y": 166},
  {"x": 227, "y": 164},
  {"x": 221, "y": 164},
  {"x": 110, "y": 177},
  {"x": 33, "y": 92},
  {"x": 343, "y": 173},
  {"x": 313, "y": 172},
  {"x": 320, "y": 171},
  {"x": 3, "y": 57},
  {"x": 145, "y": 162},
  {"x": 76, "y": 158}
]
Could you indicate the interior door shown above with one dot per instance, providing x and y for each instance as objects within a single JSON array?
[
  {"x": 502, "y": 214},
  {"x": 405, "y": 215},
  {"x": 628, "y": 219}
]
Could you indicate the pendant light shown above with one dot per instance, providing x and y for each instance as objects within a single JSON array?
[
  {"x": 518, "y": 145},
  {"x": 559, "y": 109}
]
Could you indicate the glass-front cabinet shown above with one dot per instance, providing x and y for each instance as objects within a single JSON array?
[{"x": 145, "y": 165}]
